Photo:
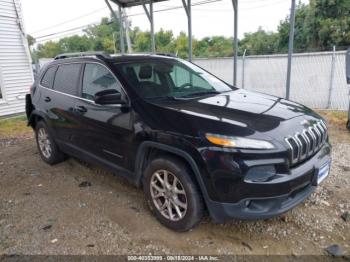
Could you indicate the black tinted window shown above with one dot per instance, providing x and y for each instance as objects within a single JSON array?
[
  {"x": 97, "y": 78},
  {"x": 170, "y": 78},
  {"x": 67, "y": 79},
  {"x": 48, "y": 77}
]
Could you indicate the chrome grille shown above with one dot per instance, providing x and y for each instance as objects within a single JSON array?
[{"x": 306, "y": 143}]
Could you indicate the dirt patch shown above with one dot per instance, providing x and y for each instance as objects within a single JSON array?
[
  {"x": 43, "y": 210},
  {"x": 337, "y": 122}
]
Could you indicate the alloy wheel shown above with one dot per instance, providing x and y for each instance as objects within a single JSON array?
[
  {"x": 168, "y": 195},
  {"x": 44, "y": 143}
]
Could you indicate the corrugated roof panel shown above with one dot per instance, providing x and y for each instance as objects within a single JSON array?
[{"x": 130, "y": 3}]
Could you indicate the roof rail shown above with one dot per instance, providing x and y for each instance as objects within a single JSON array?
[
  {"x": 100, "y": 55},
  {"x": 167, "y": 54}
]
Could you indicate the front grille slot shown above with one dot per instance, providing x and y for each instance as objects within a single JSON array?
[
  {"x": 294, "y": 146},
  {"x": 308, "y": 142},
  {"x": 303, "y": 144}
]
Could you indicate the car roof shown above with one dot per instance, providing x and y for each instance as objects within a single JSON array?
[{"x": 114, "y": 58}]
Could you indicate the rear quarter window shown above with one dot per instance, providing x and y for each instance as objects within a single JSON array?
[
  {"x": 67, "y": 79},
  {"x": 48, "y": 77}
]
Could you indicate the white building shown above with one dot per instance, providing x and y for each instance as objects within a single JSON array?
[{"x": 16, "y": 73}]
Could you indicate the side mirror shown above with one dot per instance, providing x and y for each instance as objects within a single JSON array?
[
  {"x": 348, "y": 66},
  {"x": 109, "y": 97}
]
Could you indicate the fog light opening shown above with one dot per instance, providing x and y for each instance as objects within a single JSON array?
[{"x": 260, "y": 174}]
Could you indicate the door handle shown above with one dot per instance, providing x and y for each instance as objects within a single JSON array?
[
  {"x": 81, "y": 109},
  {"x": 47, "y": 99}
]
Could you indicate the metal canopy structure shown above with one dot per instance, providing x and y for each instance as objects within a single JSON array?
[
  {"x": 131, "y": 3},
  {"x": 148, "y": 8}
]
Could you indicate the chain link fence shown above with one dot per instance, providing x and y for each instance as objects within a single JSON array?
[{"x": 318, "y": 79}]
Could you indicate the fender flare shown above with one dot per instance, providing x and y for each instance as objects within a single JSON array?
[
  {"x": 182, "y": 154},
  {"x": 33, "y": 114},
  {"x": 44, "y": 117}
]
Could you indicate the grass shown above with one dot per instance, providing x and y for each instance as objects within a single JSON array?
[
  {"x": 338, "y": 118},
  {"x": 14, "y": 127},
  {"x": 337, "y": 125}
]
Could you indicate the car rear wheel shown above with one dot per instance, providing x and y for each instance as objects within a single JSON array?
[
  {"x": 172, "y": 194},
  {"x": 47, "y": 147}
]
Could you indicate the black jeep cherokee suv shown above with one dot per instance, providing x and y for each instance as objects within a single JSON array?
[{"x": 192, "y": 141}]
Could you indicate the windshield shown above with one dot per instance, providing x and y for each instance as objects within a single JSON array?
[{"x": 170, "y": 78}]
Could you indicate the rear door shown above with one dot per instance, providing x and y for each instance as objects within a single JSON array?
[
  {"x": 105, "y": 130},
  {"x": 42, "y": 95},
  {"x": 60, "y": 102}
]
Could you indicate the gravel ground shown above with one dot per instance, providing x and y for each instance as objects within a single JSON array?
[{"x": 44, "y": 211}]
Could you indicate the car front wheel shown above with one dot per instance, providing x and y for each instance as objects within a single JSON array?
[{"x": 172, "y": 194}]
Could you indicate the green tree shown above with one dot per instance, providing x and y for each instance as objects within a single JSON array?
[
  {"x": 103, "y": 35},
  {"x": 142, "y": 42},
  {"x": 201, "y": 47},
  {"x": 260, "y": 42},
  {"x": 31, "y": 40},
  {"x": 165, "y": 41},
  {"x": 220, "y": 46},
  {"x": 304, "y": 22},
  {"x": 318, "y": 26},
  {"x": 181, "y": 45},
  {"x": 332, "y": 22},
  {"x": 48, "y": 50},
  {"x": 216, "y": 46},
  {"x": 75, "y": 44}
]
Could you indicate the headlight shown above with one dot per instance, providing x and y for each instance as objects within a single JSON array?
[{"x": 238, "y": 142}]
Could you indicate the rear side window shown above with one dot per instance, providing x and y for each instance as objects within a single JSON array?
[
  {"x": 48, "y": 77},
  {"x": 67, "y": 79}
]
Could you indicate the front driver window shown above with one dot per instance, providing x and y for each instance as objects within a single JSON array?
[{"x": 97, "y": 78}]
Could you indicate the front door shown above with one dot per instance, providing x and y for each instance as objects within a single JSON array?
[{"x": 105, "y": 130}]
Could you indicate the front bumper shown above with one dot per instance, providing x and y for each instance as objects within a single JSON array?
[{"x": 298, "y": 185}]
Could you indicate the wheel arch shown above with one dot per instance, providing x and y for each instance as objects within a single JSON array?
[
  {"x": 147, "y": 147},
  {"x": 35, "y": 117}
]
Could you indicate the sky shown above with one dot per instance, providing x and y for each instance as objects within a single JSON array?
[{"x": 45, "y": 17}]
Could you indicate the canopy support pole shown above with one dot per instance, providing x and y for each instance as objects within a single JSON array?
[
  {"x": 127, "y": 32},
  {"x": 121, "y": 29},
  {"x": 188, "y": 10},
  {"x": 149, "y": 14},
  {"x": 235, "y": 45},
  {"x": 121, "y": 24},
  {"x": 290, "y": 48}
]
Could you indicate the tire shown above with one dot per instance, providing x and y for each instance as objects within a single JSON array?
[
  {"x": 348, "y": 125},
  {"x": 47, "y": 147},
  {"x": 191, "y": 211}
]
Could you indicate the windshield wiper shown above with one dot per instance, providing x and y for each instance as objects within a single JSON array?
[
  {"x": 163, "y": 97},
  {"x": 201, "y": 94},
  {"x": 187, "y": 96}
]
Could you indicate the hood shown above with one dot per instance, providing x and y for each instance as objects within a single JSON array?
[{"x": 236, "y": 111}]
